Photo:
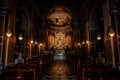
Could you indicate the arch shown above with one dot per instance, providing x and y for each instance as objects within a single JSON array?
[
  {"x": 96, "y": 28},
  {"x": 93, "y": 15},
  {"x": 22, "y": 23},
  {"x": 70, "y": 10},
  {"x": 60, "y": 7},
  {"x": 22, "y": 27},
  {"x": 97, "y": 21},
  {"x": 26, "y": 13}
]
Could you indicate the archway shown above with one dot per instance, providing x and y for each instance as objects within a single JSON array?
[
  {"x": 97, "y": 29},
  {"x": 22, "y": 29}
]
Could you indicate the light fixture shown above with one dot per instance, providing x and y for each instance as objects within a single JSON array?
[
  {"x": 111, "y": 32},
  {"x": 31, "y": 41},
  {"x": 41, "y": 44},
  {"x": 20, "y": 37},
  {"x": 83, "y": 42},
  {"x": 78, "y": 44},
  {"x": 98, "y": 37},
  {"x": 36, "y": 42},
  {"x": 87, "y": 41},
  {"x": 9, "y": 33}
]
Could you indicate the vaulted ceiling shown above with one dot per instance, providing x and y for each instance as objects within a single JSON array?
[
  {"x": 73, "y": 5},
  {"x": 78, "y": 8},
  {"x": 74, "y": 11},
  {"x": 77, "y": 11}
]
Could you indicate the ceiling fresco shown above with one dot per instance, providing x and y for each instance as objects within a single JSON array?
[{"x": 59, "y": 17}]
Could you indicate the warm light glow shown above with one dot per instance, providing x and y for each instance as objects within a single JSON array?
[
  {"x": 20, "y": 37},
  {"x": 31, "y": 41},
  {"x": 40, "y": 62},
  {"x": 83, "y": 42},
  {"x": 87, "y": 42},
  {"x": 36, "y": 42},
  {"x": 41, "y": 44},
  {"x": 111, "y": 33},
  {"x": 9, "y": 33},
  {"x": 98, "y": 37},
  {"x": 78, "y": 44},
  {"x": 19, "y": 77}
]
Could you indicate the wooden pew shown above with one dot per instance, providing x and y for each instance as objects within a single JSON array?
[
  {"x": 19, "y": 74},
  {"x": 100, "y": 74}
]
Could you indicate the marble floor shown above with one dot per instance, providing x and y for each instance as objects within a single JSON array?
[{"x": 59, "y": 71}]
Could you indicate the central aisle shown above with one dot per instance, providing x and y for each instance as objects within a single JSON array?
[
  {"x": 60, "y": 68},
  {"x": 59, "y": 71}
]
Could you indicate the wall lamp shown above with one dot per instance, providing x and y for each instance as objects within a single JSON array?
[
  {"x": 9, "y": 33},
  {"x": 98, "y": 37},
  {"x": 20, "y": 37}
]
